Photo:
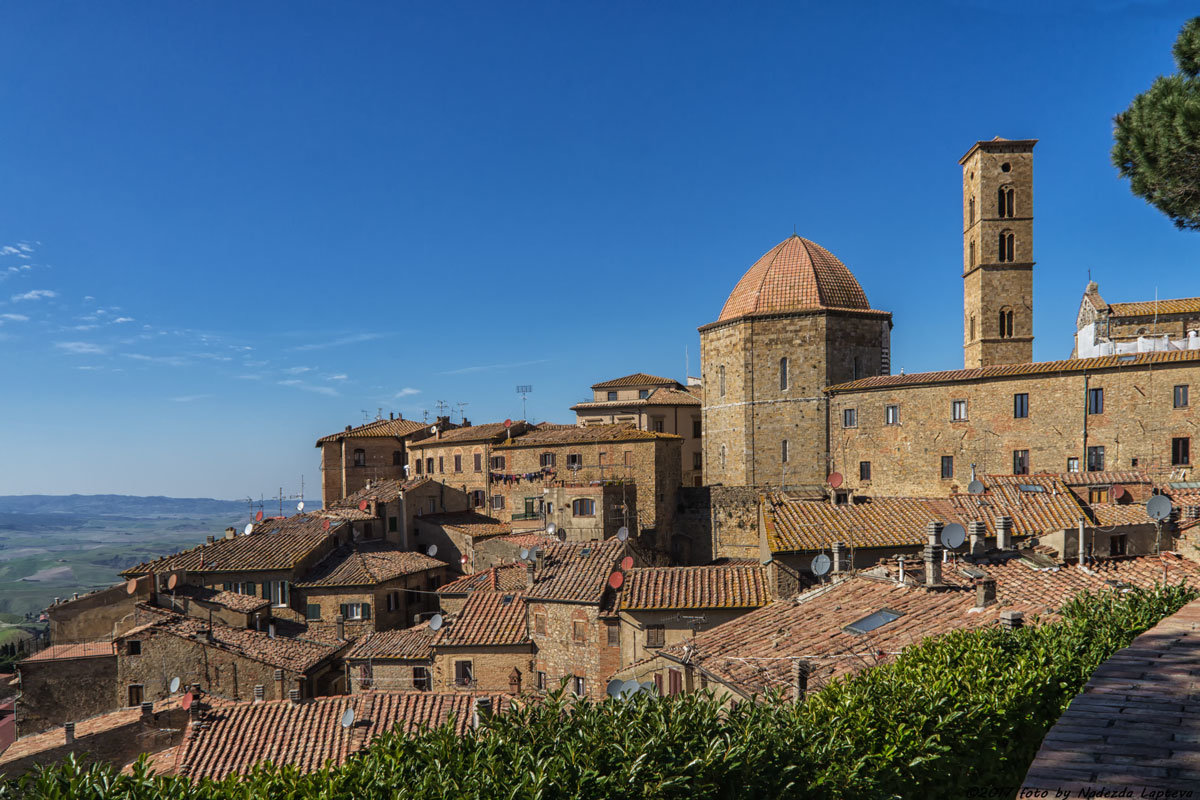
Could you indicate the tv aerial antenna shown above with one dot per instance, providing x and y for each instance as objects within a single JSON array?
[
  {"x": 366, "y": 415},
  {"x": 442, "y": 405},
  {"x": 462, "y": 416},
  {"x": 524, "y": 389}
]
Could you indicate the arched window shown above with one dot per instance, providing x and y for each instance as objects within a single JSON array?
[
  {"x": 783, "y": 374},
  {"x": 360, "y": 457},
  {"x": 783, "y": 451},
  {"x": 971, "y": 247},
  {"x": 971, "y": 211},
  {"x": 583, "y": 507},
  {"x": 721, "y": 379},
  {"x": 1006, "y": 323},
  {"x": 396, "y": 458},
  {"x": 1004, "y": 202},
  {"x": 972, "y": 327},
  {"x": 1005, "y": 249}
]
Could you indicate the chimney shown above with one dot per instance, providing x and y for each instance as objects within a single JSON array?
[
  {"x": 1191, "y": 512},
  {"x": 340, "y": 623},
  {"x": 514, "y": 681},
  {"x": 147, "y": 711},
  {"x": 209, "y": 539},
  {"x": 800, "y": 672},
  {"x": 280, "y": 685},
  {"x": 294, "y": 696},
  {"x": 1011, "y": 620},
  {"x": 1004, "y": 533},
  {"x": 230, "y": 533},
  {"x": 978, "y": 531},
  {"x": 839, "y": 557},
  {"x": 347, "y": 429},
  {"x": 391, "y": 415},
  {"x": 69, "y": 732},
  {"x": 482, "y": 708},
  {"x": 259, "y": 691},
  {"x": 933, "y": 556},
  {"x": 985, "y": 592},
  {"x": 540, "y": 559},
  {"x": 530, "y": 568},
  {"x": 271, "y": 630}
]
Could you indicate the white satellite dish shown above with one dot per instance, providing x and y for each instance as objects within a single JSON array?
[
  {"x": 431, "y": 551},
  {"x": 821, "y": 564},
  {"x": 435, "y": 622},
  {"x": 174, "y": 685},
  {"x": 524, "y": 553},
  {"x": 1159, "y": 507},
  {"x": 433, "y": 430},
  {"x": 622, "y": 533},
  {"x": 300, "y": 506},
  {"x": 551, "y": 529},
  {"x": 614, "y": 687},
  {"x": 249, "y": 529},
  {"x": 953, "y": 535},
  {"x": 347, "y": 717}
]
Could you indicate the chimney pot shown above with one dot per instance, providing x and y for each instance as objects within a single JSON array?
[
  {"x": 985, "y": 592},
  {"x": 340, "y": 623},
  {"x": 1011, "y": 620},
  {"x": 259, "y": 692},
  {"x": 147, "y": 708},
  {"x": 271, "y": 630},
  {"x": 978, "y": 532},
  {"x": 209, "y": 539},
  {"x": 529, "y": 572},
  {"x": 1004, "y": 533},
  {"x": 933, "y": 555},
  {"x": 69, "y": 732},
  {"x": 800, "y": 673},
  {"x": 278, "y": 674},
  {"x": 839, "y": 557},
  {"x": 294, "y": 696},
  {"x": 540, "y": 559}
]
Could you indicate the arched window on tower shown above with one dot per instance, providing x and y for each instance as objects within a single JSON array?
[
  {"x": 1004, "y": 202},
  {"x": 971, "y": 211},
  {"x": 783, "y": 374},
  {"x": 722, "y": 456},
  {"x": 1006, "y": 323},
  {"x": 972, "y": 338},
  {"x": 971, "y": 248},
  {"x": 1005, "y": 249},
  {"x": 721, "y": 379}
]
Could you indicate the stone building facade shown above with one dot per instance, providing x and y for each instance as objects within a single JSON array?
[
  {"x": 463, "y": 458},
  {"x": 65, "y": 683},
  {"x": 372, "y": 452}
]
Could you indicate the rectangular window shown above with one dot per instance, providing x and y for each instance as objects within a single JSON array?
[
  {"x": 1095, "y": 401},
  {"x": 1020, "y": 406},
  {"x": 783, "y": 451},
  {"x": 579, "y": 631},
  {"x": 1117, "y": 545},
  {"x": 356, "y": 611},
  {"x": 1020, "y": 462},
  {"x": 541, "y": 681},
  {"x": 497, "y": 502},
  {"x": 947, "y": 467},
  {"x": 697, "y": 461},
  {"x": 1181, "y": 396},
  {"x": 628, "y": 458},
  {"x": 1181, "y": 451},
  {"x": 312, "y": 611},
  {"x": 539, "y": 622},
  {"x": 574, "y": 460},
  {"x": 133, "y": 647},
  {"x": 420, "y": 678},
  {"x": 432, "y": 505},
  {"x": 547, "y": 459},
  {"x": 696, "y": 429},
  {"x": 850, "y": 418},
  {"x": 656, "y": 635},
  {"x": 1073, "y": 464},
  {"x": 891, "y": 415},
  {"x": 674, "y": 681},
  {"x": 958, "y": 410},
  {"x": 479, "y": 462},
  {"x": 478, "y": 498},
  {"x": 1098, "y": 494},
  {"x": 864, "y": 470},
  {"x": 279, "y": 594},
  {"x": 611, "y": 396},
  {"x": 420, "y": 466},
  {"x": 136, "y": 694},
  {"x": 643, "y": 394},
  {"x": 497, "y": 462},
  {"x": 458, "y": 462},
  {"x": 393, "y": 524},
  {"x": 656, "y": 425},
  {"x": 579, "y": 684},
  {"x": 583, "y": 507},
  {"x": 463, "y": 674},
  {"x": 614, "y": 635},
  {"x": 1095, "y": 459}
]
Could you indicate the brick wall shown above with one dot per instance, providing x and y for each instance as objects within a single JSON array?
[
  {"x": 634, "y": 623},
  {"x": 386, "y": 675},
  {"x": 491, "y": 667},
  {"x": 734, "y": 522},
  {"x": 384, "y": 457},
  {"x": 94, "y": 615},
  {"x": 65, "y": 690},
  {"x": 560, "y": 655}
]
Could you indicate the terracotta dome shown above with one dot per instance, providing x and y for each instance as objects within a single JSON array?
[{"x": 794, "y": 275}]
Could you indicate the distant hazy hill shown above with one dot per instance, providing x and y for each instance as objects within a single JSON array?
[{"x": 129, "y": 505}]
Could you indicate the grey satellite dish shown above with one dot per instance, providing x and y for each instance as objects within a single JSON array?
[
  {"x": 300, "y": 506},
  {"x": 975, "y": 487},
  {"x": 622, "y": 533},
  {"x": 1159, "y": 507},
  {"x": 431, "y": 551},
  {"x": 248, "y": 529},
  {"x": 347, "y": 717},
  {"x": 524, "y": 553},
  {"x": 821, "y": 564},
  {"x": 629, "y": 688},
  {"x": 953, "y": 535},
  {"x": 614, "y": 687},
  {"x": 551, "y": 528},
  {"x": 174, "y": 685},
  {"x": 435, "y": 622},
  {"x": 649, "y": 688}
]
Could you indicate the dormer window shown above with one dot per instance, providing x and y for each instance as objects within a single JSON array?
[
  {"x": 612, "y": 396},
  {"x": 643, "y": 394}
]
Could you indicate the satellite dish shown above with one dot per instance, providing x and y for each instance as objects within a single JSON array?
[
  {"x": 362, "y": 505},
  {"x": 347, "y": 717},
  {"x": 300, "y": 506},
  {"x": 435, "y": 622},
  {"x": 174, "y": 685},
  {"x": 258, "y": 517},
  {"x": 249, "y": 529},
  {"x": 1159, "y": 507},
  {"x": 622, "y": 533},
  {"x": 524, "y": 553},
  {"x": 835, "y": 480},
  {"x": 186, "y": 702},
  {"x": 433, "y": 430},
  {"x": 131, "y": 586},
  {"x": 821, "y": 564},
  {"x": 1118, "y": 492},
  {"x": 627, "y": 563},
  {"x": 464, "y": 559},
  {"x": 614, "y": 687},
  {"x": 975, "y": 487},
  {"x": 953, "y": 535},
  {"x": 616, "y": 580},
  {"x": 630, "y": 688},
  {"x": 325, "y": 524},
  {"x": 649, "y": 688},
  {"x": 431, "y": 551},
  {"x": 551, "y": 528},
  {"x": 172, "y": 580}
]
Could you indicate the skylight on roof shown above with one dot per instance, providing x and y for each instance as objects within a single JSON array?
[
  {"x": 1125, "y": 359},
  {"x": 872, "y": 621},
  {"x": 1030, "y": 487}
]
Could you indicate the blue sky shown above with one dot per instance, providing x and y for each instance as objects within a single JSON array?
[{"x": 227, "y": 229}]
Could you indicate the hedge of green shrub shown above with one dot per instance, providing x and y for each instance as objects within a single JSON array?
[{"x": 958, "y": 715}]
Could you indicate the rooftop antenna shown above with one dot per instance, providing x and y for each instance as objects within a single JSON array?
[
  {"x": 461, "y": 413},
  {"x": 425, "y": 415},
  {"x": 366, "y": 415},
  {"x": 523, "y": 389},
  {"x": 441, "y": 407}
]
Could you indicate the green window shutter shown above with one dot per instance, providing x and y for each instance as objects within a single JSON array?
[
  {"x": 366, "y": 610},
  {"x": 266, "y": 590},
  {"x": 250, "y": 588},
  {"x": 229, "y": 587},
  {"x": 313, "y": 612},
  {"x": 345, "y": 611}
]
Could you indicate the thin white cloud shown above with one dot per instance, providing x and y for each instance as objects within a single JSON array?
[
  {"x": 407, "y": 391},
  {"x": 35, "y": 294},
  {"x": 170, "y": 361},
  {"x": 328, "y": 391},
  {"x": 355, "y": 339},
  {"x": 83, "y": 327},
  {"x": 488, "y": 367},
  {"x": 9, "y": 250},
  {"x": 298, "y": 370},
  {"x": 190, "y": 398},
  {"x": 90, "y": 368},
  {"x": 120, "y": 320},
  {"x": 15, "y": 317},
  {"x": 341, "y": 376},
  {"x": 81, "y": 348},
  {"x": 249, "y": 377},
  {"x": 88, "y": 299}
]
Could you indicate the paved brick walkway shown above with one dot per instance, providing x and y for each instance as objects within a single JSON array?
[{"x": 1136, "y": 725}]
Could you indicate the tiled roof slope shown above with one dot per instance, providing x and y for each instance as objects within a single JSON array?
[
  {"x": 415, "y": 643},
  {"x": 794, "y": 275},
  {"x": 472, "y": 523},
  {"x": 575, "y": 572},
  {"x": 1070, "y": 365},
  {"x": 1107, "y": 478},
  {"x": 59, "y": 652},
  {"x": 1149, "y": 308},
  {"x": 380, "y": 427},
  {"x": 475, "y": 433},
  {"x": 754, "y": 651},
  {"x": 275, "y": 544},
  {"x": 1135, "y": 725},
  {"x": 636, "y": 379},
  {"x": 1032, "y": 513},
  {"x": 54, "y": 738},
  {"x": 803, "y": 525},
  {"x": 658, "y": 397},
  {"x": 244, "y": 603},
  {"x": 383, "y": 491},
  {"x": 366, "y": 564},
  {"x": 308, "y": 734},
  {"x": 1108, "y": 515},
  {"x": 486, "y": 619},
  {"x": 618, "y": 432},
  {"x": 739, "y": 586}
]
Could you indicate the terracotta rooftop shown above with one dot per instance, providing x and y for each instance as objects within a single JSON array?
[
  {"x": 275, "y": 544},
  {"x": 739, "y": 586},
  {"x": 244, "y": 603},
  {"x": 60, "y": 652},
  {"x": 636, "y": 379},
  {"x": 487, "y": 619},
  {"x": 475, "y": 525},
  {"x": 488, "y": 432},
  {"x": 619, "y": 432},
  {"x": 1108, "y": 515},
  {"x": 398, "y": 428},
  {"x": 1150, "y": 308},
  {"x": 1136, "y": 724},
  {"x": 366, "y": 564},
  {"x": 388, "y": 491},
  {"x": 659, "y": 397},
  {"x": 754, "y": 652},
  {"x": 576, "y": 572},
  {"x": 54, "y": 738},
  {"x": 530, "y": 540},
  {"x": 1070, "y": 365},
  {"x": 1033, "y": 513},
  {"x": 306, "y": 735},
  {"x": 805, "y": 525},
  {"x": 415, "y": 643},
  {"x": 794, "y": 275}
]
